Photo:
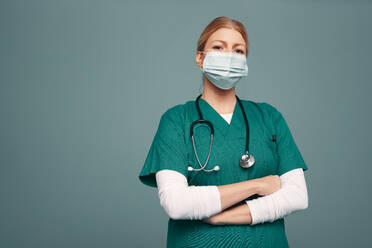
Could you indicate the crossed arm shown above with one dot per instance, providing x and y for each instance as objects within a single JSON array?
[
  {"x": 207, "y": 203},
  {"x": 291, "y": 197}
]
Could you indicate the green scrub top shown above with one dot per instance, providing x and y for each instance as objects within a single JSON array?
[{"x": 172, "y": 149}]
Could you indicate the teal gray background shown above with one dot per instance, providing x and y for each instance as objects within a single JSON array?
[{"x": 84, "y": 83}]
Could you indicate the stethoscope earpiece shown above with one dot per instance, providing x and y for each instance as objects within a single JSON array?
[{"x": 247, "y": 160}]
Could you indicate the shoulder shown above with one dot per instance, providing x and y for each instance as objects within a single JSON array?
[
  {"x": 267, "y": 113},
  {"x": 175, "y": 112},
  {"x": 265, "y": 108},
  {"x": 173, "y": 118}
]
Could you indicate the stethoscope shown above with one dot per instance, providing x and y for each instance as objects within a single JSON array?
[{"x": 246, "y": 160}]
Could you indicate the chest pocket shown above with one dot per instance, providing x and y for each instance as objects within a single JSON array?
[
  {"x": 272, "y": 158},
  {"x": 270, "y": 142}
]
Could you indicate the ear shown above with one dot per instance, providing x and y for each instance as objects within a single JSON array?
[{"x": 199, "y": 59}]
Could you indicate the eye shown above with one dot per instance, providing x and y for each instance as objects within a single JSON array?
[
  {"x": 216, "y": 47},
  {"x": 240, "y": 51}
]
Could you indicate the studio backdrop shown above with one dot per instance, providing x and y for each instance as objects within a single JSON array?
[{"x": 83, "y": 85}]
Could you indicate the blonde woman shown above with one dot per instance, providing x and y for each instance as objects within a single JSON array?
[{"x": 227, "y": 169}]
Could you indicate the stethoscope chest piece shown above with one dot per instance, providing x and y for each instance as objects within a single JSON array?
[{"x": 247, "y": 160}]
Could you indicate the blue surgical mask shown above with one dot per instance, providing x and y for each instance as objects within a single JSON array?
[{"x": 224, "y": 69}]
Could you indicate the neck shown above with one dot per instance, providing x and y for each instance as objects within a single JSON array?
[{"x": 223, "y": 101}]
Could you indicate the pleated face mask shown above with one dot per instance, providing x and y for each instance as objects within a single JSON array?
[{"x": 224, "y": 69}]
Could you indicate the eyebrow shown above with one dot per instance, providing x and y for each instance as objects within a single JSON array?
[{"x": 224, "y": 42}]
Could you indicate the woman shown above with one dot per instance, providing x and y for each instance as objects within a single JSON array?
[{"x": 214, "y": 196}]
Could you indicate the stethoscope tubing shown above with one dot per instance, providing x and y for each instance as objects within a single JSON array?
[{"x": 202, "y": 121}]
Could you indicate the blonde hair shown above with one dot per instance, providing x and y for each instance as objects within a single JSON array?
[{"x": 222, "y": 22}]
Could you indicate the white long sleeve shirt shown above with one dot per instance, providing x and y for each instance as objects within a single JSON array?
[{"x": 181, "y": 201}]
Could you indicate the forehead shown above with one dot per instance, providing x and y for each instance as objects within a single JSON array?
[{"x": 226, "y": 34}]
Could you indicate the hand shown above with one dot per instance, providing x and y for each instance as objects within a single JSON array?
[
  {"x": 268, "y": 184},
  {"x": 213, "y": 220},
  {"x": 209, "y": 220}
]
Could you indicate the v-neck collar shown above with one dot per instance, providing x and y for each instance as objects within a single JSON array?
[{"x": 209, "y": 113}]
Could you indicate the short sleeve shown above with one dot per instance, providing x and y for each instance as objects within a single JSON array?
[
  {"x": 167, "y": 151},
  {"x": 289, "y": 155}
]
